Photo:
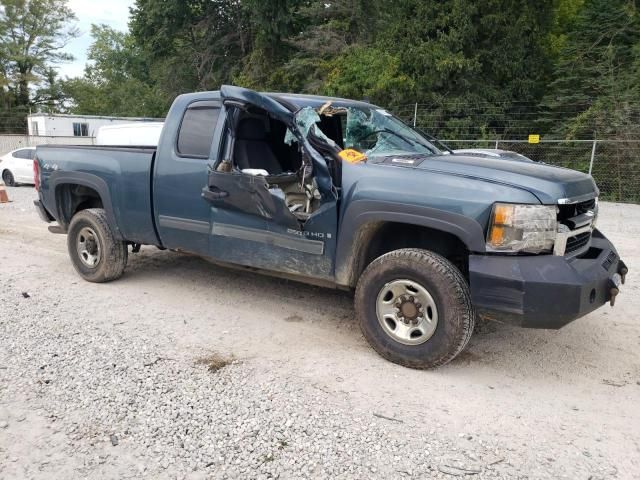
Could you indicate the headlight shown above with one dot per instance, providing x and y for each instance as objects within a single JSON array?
[{"x": 522, "y": 228}]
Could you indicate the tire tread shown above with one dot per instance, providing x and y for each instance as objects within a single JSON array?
[
  {"x": 463, "y": 299},
  {"x": 116, "y": 252}
]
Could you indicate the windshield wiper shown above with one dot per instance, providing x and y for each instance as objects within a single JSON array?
[
  {"x": 434, "y": 140},
  {"x": 405, "y": 138}
]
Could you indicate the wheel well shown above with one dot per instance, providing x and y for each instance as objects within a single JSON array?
[
  {"x": 72, "y": 198},
  {"x": 384, "y": 237}
]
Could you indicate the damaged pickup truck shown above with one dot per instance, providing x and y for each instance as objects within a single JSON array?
[{"x": 340, "y": 193}]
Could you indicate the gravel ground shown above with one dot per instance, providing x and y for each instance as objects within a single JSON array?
[{"x": 183, "y": 369}]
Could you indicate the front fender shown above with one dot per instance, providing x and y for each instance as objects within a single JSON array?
[{"x": 362, "y": 217}]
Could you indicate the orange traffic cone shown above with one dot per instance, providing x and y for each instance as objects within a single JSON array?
[{"x": 4, "y": 198}]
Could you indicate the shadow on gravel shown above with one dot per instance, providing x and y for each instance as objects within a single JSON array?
[
  {"x": 495, "y": 346},
  {"x": 196, "y": 272}
]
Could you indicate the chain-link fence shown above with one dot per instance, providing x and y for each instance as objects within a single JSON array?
[
  {"x": 614, "y": 164},
  {"x": 613, "y": 161}
]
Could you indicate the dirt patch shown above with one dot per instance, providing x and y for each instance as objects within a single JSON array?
[{"x": 215, "y": 362}]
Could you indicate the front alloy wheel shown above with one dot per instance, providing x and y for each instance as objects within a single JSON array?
[
  {"x": 414, "y": 308},
  {"x": 407, "y": 312}
]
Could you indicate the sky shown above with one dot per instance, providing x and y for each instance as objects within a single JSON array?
[{"x": 114, "y": 13}]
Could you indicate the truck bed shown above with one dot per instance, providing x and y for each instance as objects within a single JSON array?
[{"x": 121, "y": 175}]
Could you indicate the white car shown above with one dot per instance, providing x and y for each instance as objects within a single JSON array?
[{"x": 17, "y": 166}]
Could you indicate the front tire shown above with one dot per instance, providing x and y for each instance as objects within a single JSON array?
[
  {"x": 8, "y": 178},
  {"x": 414, "y": 308},
  {"x": 95, "y": 252}
]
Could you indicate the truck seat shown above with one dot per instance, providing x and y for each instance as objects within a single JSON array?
[{"x": 252, "y": 149}]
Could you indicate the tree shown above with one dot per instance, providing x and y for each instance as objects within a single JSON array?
[
  {"x": 269, "y": 25},
  {"x": 191, "y": 45},
  {"x": 595, "y": 91},
  {"x": 472, "y": 62},
  {"x": 324, "y": 36},
  {"x": 50, "y": 97},
  {"x": 33, "y": 34},
  {"x": 114, "y": 82},
  {"x": 595, "y": 88}
]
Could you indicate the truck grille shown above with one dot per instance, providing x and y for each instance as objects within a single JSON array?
[
  {"x": 577, "y": 216},
  {"x": 577, "y": 242},
  {"x": 573, "y": 210}
]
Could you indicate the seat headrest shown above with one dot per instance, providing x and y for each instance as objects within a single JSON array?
[{"x": 252, "y": 129}]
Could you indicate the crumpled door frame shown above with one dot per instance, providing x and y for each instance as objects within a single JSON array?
[{"x": 270, "y": 205}]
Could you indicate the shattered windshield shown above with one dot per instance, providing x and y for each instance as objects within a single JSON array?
[
  {"x": 376, "y": 132},
  {"x": 371, "y": 131}
]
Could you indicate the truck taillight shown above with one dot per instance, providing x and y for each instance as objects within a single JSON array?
[{"x": 36, "y": 174}]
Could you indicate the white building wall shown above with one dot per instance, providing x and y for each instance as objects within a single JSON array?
[
  {"x": 62, "y": 125},
  {"x": 13, "y": 142},
  {"x": 36, "y": 126}
]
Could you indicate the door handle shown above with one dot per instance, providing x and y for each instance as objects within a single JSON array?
[{"x": 213, "y": 195}]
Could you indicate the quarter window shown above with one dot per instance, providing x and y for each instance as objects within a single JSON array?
[
  {"x": 197, "y": 129},
  {"x": 80, "y": 129}
]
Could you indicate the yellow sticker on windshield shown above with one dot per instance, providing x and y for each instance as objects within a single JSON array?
[{"x": 352, "y": 156}]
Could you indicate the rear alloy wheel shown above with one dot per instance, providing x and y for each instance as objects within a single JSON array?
[
  {"x": 8, "y": 179},
  {"x": 88, "y": 247},
  {"x": 414, "y": 308},
  {"x": 95, "y": 252}
]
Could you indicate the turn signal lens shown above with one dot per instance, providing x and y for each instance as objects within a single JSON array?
[
  {"x": 503, "y": 214},
  {"x": 497, "y": 235}
]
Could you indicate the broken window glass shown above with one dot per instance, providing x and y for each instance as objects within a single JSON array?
[
  {"x": 371, "y": 131},
  {"x": 376, "y": 132},
  {"x": 307, "y": 119}
]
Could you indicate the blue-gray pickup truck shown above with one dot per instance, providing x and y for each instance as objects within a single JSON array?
[{"x": 341, "y": 193}]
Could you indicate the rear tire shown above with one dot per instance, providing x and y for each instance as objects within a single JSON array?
[
  {"x": 414, "y": 308},
  {"x": 95, "y": 253},
  {"x": 8, "y": 178}
]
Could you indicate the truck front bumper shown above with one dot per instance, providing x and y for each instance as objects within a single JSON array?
[{"x": 545, "y": 291}]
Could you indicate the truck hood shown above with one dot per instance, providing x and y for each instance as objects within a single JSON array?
[{"x": 549, "y": 183}]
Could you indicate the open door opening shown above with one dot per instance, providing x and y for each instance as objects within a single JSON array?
[
  {"x": 274, "y": 199},
  {"x": 265, "y": 166}
]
